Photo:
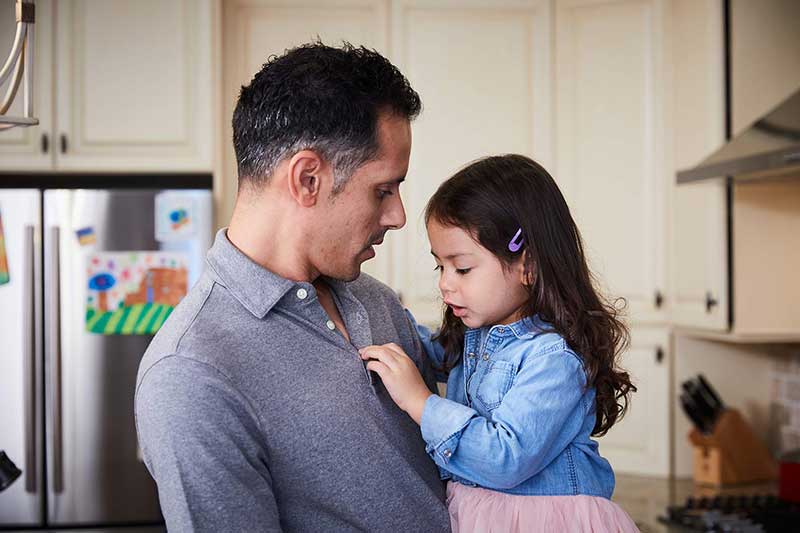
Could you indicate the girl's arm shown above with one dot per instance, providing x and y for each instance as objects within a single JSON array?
[{"x": 541, "y": 414}]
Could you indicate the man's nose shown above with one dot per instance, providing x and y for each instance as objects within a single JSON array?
[{"x": 395, "y": 215}]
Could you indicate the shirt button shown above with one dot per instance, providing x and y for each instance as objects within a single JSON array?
[
  {"x": 447, "y": 453},
  {"x": 331, "y": 325},
  {"x": 302, "y": 294},
  {"x": 486, "y": 357},
  {"x": 472, "y": 355},
  {"x": 501, "y": 330}
]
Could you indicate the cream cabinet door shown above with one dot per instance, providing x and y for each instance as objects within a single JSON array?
[
  {"x": 29, "y": 148},
  {"x": 640, "y": 443},
  {"x": 254, "y": 30},
  {"x": 134, "y": 85},
  {"x": 699, "y": 212},
  {"x": 483, "y": 70},
  {"x": 611, "y": 155}
]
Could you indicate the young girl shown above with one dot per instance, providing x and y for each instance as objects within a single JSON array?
[{"x": 529, "y": 348}]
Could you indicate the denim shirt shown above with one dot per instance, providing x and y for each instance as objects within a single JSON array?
[{"x": 518, "y": 416}]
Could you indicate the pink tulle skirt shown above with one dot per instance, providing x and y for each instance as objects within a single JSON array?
[{"x": 478, "y": 510}]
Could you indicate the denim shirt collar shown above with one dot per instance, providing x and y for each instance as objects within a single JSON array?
[{"x": 524, "y": 328}]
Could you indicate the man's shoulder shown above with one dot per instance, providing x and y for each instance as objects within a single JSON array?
[{"x": 185, "y": 331}]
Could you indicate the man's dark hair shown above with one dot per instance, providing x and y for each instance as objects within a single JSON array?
[{"x": 321, "y": 98}]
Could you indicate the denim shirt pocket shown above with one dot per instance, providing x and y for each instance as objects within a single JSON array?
[{"x": 494, "y": 383}]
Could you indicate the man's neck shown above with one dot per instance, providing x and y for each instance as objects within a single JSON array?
[{"x": 270, "y": 241}]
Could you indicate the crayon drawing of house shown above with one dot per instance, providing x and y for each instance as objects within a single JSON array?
[{"x": 133, "y": 293}]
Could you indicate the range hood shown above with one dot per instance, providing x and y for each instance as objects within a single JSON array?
[{"x": 769, "y": 148}]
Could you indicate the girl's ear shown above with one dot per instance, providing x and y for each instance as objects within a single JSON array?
[{"x": 526, "y": 279}]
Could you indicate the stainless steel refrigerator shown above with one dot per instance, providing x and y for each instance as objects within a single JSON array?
[{"x": 86, "y": 277}]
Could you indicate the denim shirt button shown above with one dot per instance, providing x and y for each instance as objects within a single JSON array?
[
  {"x": 486, "y": 357},
  {"x": 472, "y": 355},
  {"x": 501, "y": 330},
  {"x": 302, "y": 294},
  {"x": 447, "y": 453},
  {"x": 331, "y": 325}
]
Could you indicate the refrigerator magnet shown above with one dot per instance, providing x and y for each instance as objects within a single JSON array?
[
  {"x": 133, "y": 293},
  {"x": 86, "y": 236},
  {"x": 175, "y": 216},
  {"x": 4, "y": 276}
]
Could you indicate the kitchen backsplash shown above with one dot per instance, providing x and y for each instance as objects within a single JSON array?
[{"x": 785, "y": 403}]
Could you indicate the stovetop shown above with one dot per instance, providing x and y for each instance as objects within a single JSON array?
[{"x": 734, "y": 514}]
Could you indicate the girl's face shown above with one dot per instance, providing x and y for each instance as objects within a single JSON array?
[{"x": 472, "y": 280}]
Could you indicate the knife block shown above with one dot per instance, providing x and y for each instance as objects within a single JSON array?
[{"x": 731, "y": 454}]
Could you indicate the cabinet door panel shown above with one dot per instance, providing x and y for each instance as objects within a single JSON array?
[
  {"x": 134, "y": 85},
  {"x": 257, "y": 29},
  {"x": 610, "y": 143},
  {"x": 483, "y": 71},
  {"x": 699, "y": 212},
  {"x": 640, "y": 443}
]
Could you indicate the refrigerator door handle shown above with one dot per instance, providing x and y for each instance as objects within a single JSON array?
[
  {"x": 54, "y": 321},
  {"x": 30, "y": 360}
]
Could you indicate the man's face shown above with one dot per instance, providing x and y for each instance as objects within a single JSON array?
[{"x": 351, "y": 223}]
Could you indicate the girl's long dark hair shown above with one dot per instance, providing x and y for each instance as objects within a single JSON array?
[{"x": 492, "y": 199}]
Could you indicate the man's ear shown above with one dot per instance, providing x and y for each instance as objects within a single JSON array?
[{"x": 304, "y": 170}]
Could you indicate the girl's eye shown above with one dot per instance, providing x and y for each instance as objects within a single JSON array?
[
  {"x": 463, "y": 271},
  {"x": 437, "y": 267}
]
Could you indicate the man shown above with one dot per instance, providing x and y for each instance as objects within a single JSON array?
[{"x": 253, "y": 407}]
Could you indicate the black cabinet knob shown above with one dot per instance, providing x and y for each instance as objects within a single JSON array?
[{"x": 711, "y": 302}]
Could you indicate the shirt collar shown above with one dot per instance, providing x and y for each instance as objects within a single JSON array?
[
  {"x": 524, "y": 328},
  {"x": 255, "y": 287},
  {"x": 259, "y": 289}
]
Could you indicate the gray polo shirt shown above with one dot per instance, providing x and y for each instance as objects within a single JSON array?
[{"x": 254, "y": 415}]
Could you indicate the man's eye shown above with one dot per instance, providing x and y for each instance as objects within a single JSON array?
[
  {"x": 463, "y": 271},
  {"x": 438, "y": 267},
  {"x": 383, "y": 193}
]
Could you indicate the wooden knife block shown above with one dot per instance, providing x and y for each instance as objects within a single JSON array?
[{"x": 731, "y": 454}]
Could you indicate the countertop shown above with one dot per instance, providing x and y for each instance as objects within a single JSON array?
[{"x": 646, "y": 498}]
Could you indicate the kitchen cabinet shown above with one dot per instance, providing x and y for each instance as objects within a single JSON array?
[
  {"x": 699, "y": 211},
  {"x": 610, "y": 133},
  {"x": 484, "y": 71},
  {"x": 734, "y": 262},
  {"x": 125, "y": 86},
  {"x": 454, "y": 55},
  {"x": 581, "y": 86},
  {"x": 641, "y": 442}
]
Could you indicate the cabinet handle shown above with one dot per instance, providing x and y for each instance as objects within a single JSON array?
[
  {"x": 659, "y": 355},
  {"x": 45, "y": 143},
  {"x": 64, "y": 144},
  {"x": 659, "y": 299},
  {"x": 711, "y": 302}
]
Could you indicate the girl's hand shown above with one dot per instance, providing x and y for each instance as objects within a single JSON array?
[{"x": 400, "y": 377}]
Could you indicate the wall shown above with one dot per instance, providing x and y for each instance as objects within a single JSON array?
[{"x": 745, "y": 376}]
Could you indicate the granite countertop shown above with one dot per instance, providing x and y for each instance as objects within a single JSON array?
[{"x": 647, "y": 498}]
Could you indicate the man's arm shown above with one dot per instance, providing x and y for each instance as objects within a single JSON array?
[{"x": 203, "y": 445}]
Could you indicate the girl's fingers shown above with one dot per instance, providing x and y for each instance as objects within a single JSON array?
[
  {"x": 379, "y": 353},
  {"x": 378, "y": 367},
  {"x": 396, "y": 349}
]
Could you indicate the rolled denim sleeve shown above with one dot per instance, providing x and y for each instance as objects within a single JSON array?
[
  {"x": 442, "y": 423},
  {"x": 539, "y": 416}
]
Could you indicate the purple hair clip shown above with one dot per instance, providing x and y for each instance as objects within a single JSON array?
[{"x": 513, "y": 245}]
